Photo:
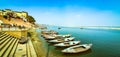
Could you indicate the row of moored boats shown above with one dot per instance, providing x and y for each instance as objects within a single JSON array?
[{"x": 67, "y": 41}]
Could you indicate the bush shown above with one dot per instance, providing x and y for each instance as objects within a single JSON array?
[
  {"x": 5, "y": 16},
  {"x": 30, "y": 19}
]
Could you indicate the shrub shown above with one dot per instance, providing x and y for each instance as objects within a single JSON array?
[{"x": 5, "y": 16}]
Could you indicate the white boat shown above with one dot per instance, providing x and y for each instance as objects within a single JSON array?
[
  {"x": 77, "y": 48},
  {"x": 64, "y": 36},
  {"x": 49, "y": 32},
  {"x": 67, "y": 44},
  {"x": 59, "y": 40},
  {"x": 49, "y": 37}
]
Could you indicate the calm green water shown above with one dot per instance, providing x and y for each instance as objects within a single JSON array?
[{"x": 106, "y": 43}]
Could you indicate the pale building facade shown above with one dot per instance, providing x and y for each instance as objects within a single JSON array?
[
  {"x": 15, "y": 13},
  {"x": 21, "y": 14},
  {"x": 4, "y": 12}
]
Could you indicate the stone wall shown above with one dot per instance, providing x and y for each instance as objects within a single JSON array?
[{"x": 17, "y": 34}]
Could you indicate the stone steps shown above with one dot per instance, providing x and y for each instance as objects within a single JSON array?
[
  {"x": 3, "y": 44},
  {"x": 28, "y": 50},
  {"x": 2, "y": 35},
  {"x": 2, "y": 40},
  {"x": 3, "y": 50},
  {"x": 7, "y": 52},
  {"x": 13, "y": 49},
  {"x": 9, "y": 47}
]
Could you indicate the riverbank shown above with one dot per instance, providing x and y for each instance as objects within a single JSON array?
[{"x": 37, "y": 43}]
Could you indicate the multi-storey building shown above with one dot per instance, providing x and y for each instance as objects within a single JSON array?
[{"x": 15, "y": 13}]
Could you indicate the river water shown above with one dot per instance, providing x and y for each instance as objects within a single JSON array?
[{"x": 106, "y": 43}]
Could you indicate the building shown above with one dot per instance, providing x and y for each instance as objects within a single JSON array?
[
  {"x": 4, "y": 12},
  {"x": 21, "y": 14},
  {"x": 15, "y": 13},
  {"x": 8, "y": 10}
]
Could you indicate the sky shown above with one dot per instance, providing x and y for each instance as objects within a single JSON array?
[{"x": 70, "y": 13}]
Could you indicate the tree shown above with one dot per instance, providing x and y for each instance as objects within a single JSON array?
[
  {"x": 5, "y": 16},
  {"x": 30, "y": 19},
  {"x": 10, "y": 15}
]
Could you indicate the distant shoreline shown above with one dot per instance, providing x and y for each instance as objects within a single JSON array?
[
  {"x": 113, "y": 28},
  {"x": 104, "y": 28},
  {"x": 92, "y": 27}
]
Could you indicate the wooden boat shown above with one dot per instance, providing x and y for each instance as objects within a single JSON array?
[
  {"x": 67, "y": 44},
  {"x": 64, "y": 36},
  {"x": 23, "y": 40},
  {"x": 77, "y": 48},
  {"x": 49, "y": 32},
  {"x": 81, "y": 28},
  {"x": 59, "y": 28},
  {"x": 59, "y": 40},
  {"x": 49, "y": 37}
]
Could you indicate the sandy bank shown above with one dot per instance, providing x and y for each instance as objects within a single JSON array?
[{"x": 37, "y": 43}]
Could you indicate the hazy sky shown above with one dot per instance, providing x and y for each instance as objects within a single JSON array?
[{"x": 69, "y": 12}]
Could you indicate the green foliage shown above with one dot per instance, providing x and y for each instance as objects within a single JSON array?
[
  {"x": 5, "y": 16},
  {"x": 10, "y": 14},
  {"x": 30, "y": 19}
]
